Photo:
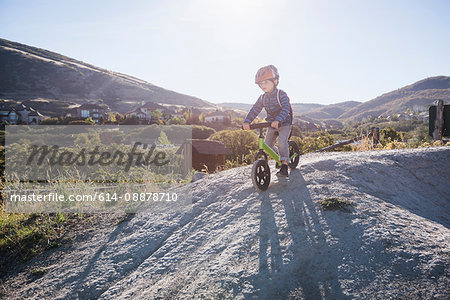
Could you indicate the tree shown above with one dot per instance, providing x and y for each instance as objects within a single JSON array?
[
  {"x": 296, "y": 131},
  {"x": 163, "y": 139},
  {"x": 193, "y": 120},
  {"x": 202, "y": 132},
  {"x": 133, "y": 120},
  {"x": 156, "y": 115},
  {"x": 389, "y": 134},
  {"x": 316, "y": 141},
  {"x": 201, "y": 117},
  {"x": 240, "y": 142},
  {"x": 227, "y": 121},
  {"x": 81, "y": 139},
  {"x": 238, "y": 120},
  {"x": 111, "y": 117},
  {"x": 177, "y": 121}
]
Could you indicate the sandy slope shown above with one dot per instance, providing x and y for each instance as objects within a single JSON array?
[{"x": 239, "y": 243}]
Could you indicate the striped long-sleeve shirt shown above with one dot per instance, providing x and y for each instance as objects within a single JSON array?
[{"x": 275, "y": 112}]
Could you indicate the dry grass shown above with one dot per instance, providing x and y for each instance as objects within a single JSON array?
[{"x": 366, "y": 143}]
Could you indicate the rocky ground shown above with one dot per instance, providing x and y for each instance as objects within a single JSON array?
[{"x": 392, "y": 241}]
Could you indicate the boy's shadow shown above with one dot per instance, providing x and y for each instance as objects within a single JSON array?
[
  {"x": 268, "y": 239},
  {"x": 277, "y": 279}
]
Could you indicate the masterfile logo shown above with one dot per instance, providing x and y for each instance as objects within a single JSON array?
[{"x": 95, "y": 168}]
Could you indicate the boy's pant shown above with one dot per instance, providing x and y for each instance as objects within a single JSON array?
[{"x": 283, "y": 143}]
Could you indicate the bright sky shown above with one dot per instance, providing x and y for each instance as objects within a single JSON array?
[{"x": 326, "y": 51}]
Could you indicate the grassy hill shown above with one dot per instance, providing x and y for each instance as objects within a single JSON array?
[
  {"x": 31, "y": 73},
  {"x": 419, "y": 95}
]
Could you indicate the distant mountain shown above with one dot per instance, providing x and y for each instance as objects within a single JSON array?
[
  {"x": 302, "y": 108},
  {"x": 51, "y": 83},
  {"x": 235, "y": 105},
  {"x": 332, "y": 111},
  {"x": 417, "y": 96},
  {"x": 31, "y": 73},
  {"x": 298, "y": 108}
]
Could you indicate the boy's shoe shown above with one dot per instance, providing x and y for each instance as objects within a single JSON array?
[{"x": 283, "y": 172}]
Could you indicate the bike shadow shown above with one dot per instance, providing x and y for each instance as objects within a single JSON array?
[{"x": 291, "y": 232}]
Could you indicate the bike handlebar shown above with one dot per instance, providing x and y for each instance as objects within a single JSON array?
[{"x": 260, "y": 125}]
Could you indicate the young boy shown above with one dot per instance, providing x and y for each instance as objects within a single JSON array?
[{"x": 278, "y": 108}]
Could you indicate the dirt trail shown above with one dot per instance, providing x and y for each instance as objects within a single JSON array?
[{"x": 239, "y": 243}]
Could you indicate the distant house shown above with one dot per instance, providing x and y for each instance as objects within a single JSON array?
[
  {"x": 168, "y": 114},
  {"x": 144, "y": 112},
  {"x": 178, "y": 113},
  {"x": 34, "y": 117},
  {"x": 19, "y": 114},
  {"x": 217, "y": 116},
  {"x": 192, "y": 111},
  {"x": 423, "y": 116},
  {"x": 148, "y": 107},
  {"x": 203, "y": 153},
  {"x": 87, "y": 110},
  {"x": 138, "y": 113},
  {"x": 235, "y": 114},
  {"x": 405, "y": 116}
]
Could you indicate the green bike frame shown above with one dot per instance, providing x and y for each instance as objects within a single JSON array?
[{"x": 264, "y": 147}]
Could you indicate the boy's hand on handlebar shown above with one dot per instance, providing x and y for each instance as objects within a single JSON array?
[
  {"x": 275, "y": 124},
  {"x": 246, "y": 126}
]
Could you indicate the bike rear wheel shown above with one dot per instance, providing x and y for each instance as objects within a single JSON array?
[
  {"x": 261, "y": 174},
  {"x": 293, "y": 148}
]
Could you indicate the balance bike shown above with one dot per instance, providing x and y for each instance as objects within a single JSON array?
[{"x": 261, "y": 170}]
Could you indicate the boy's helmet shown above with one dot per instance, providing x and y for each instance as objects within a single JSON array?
[{"x": 265, "y": 73}]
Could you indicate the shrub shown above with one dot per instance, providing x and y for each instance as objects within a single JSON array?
[
  {"x": 177, "y": 121},
  {"x": 87, "y": 121},
  {"x": 316, "y": 141},
  {"x": 389, "y": 134},
  {"x": 240, "y": 142},
  {"x": 50, "y": 121},
  {"x": 395, "y": 145},
  {"x": 39, "y": 271},
  {"x": 334, "y": 203},
  {"x": 202, "y": 132}
]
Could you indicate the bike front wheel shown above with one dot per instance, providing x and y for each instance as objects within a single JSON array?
[{"x": 261, "y": 174}]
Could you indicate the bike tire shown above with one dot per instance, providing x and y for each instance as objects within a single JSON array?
[
  {"x": 293, "y": 148},
  {"x": 261, "y": 174}
]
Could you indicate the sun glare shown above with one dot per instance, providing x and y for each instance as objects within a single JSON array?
[{"x": 233, "y": 23}]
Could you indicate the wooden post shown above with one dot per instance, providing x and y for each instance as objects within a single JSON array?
[
  {"x": 375, "y": 136},
  {"x": 187, "y": 151},
  {"x": 439, "y": 122}
]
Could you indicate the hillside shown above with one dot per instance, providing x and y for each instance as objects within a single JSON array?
[
  {"x": 393, "y": 242},
  {"x": 236, "y": 105},
  {"x": 332, "y": 111},
  {"x": 418, "y": 95},
  {"x": 31, "y": 73},
  {"x": 301, "y": 108}
]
